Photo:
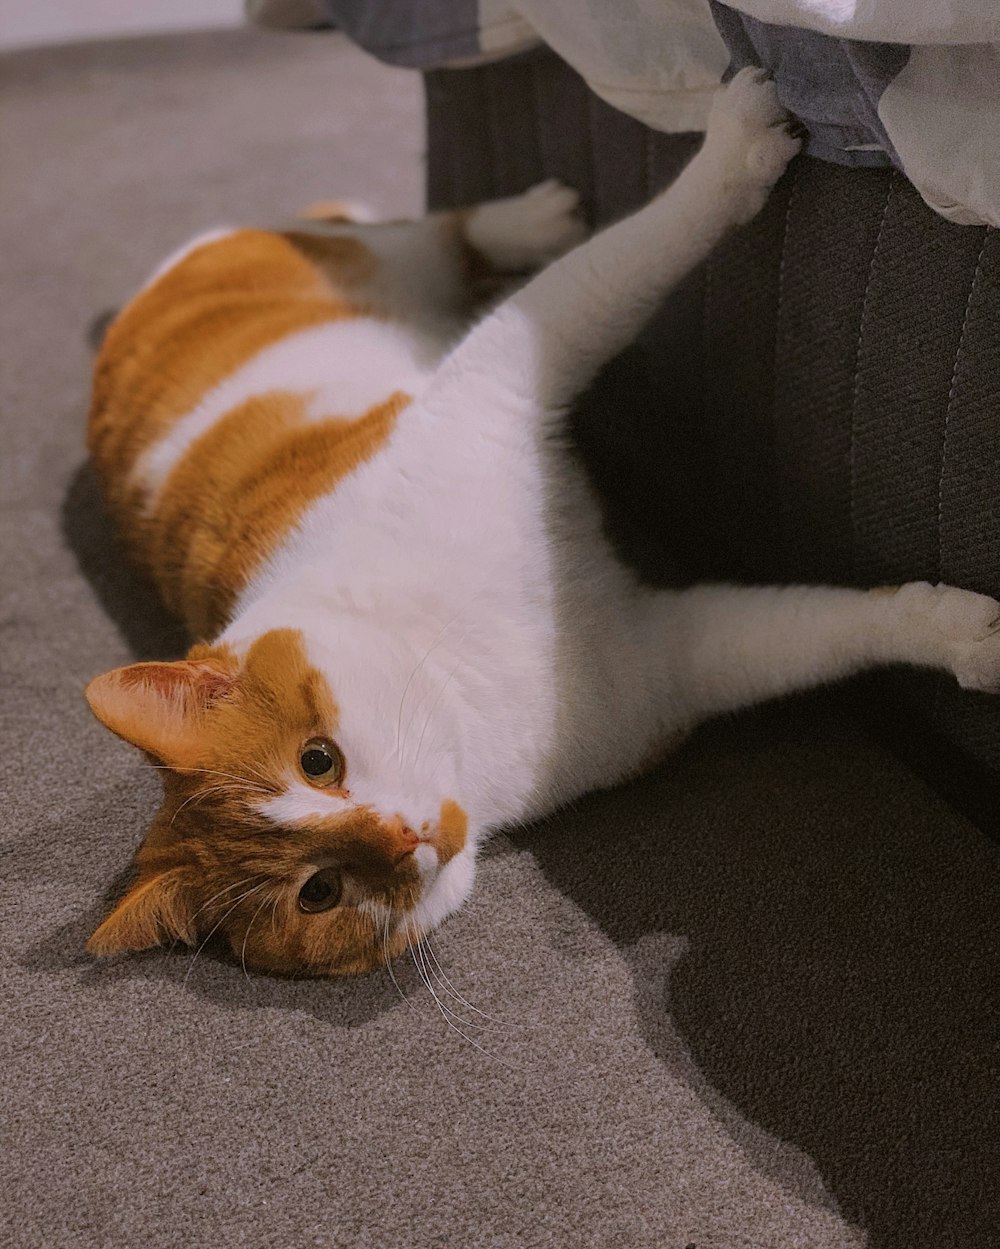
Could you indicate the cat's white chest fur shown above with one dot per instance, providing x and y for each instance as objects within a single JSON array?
[{"x": 434, "y": 563}]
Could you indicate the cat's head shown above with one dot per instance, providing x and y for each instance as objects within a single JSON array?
[{"x": 279, "y": 831}]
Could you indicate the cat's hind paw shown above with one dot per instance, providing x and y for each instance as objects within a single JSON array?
[
  {"x": 976, "y": 662},
  {"x": 527, "y": 231}
]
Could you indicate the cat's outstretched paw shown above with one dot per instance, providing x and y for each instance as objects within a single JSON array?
[
  {"x": 750, "y": 138},
  {"x": 967, "y": 624},
  {"x": 527, "y": 231}
]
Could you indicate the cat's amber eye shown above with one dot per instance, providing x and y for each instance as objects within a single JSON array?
[
  {"x": 322, "y": 762},
  {"x": 321, "y": 891}
]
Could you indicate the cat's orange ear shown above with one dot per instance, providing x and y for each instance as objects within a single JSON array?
[
  {"x": 158, "y": 908},
  {"x": 160, "y": 707}
]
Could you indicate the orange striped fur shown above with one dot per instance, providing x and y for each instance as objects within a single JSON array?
[
  {"x": 240, "y": 488},
  {"x": 246, "y": 481}
]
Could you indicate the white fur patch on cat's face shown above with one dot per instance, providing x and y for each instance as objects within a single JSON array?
[
  {"x": 301, "y": 804},
  {"x": 446, "y": 878}
]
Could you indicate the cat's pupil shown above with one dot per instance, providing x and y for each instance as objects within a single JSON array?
[
  {"x": 321, "y": 891},
  {"x": 316, "y": 889},
  {"x": 316, "y": 762}
]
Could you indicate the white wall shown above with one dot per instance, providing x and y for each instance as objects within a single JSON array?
[{"x": 27, "y": 22}]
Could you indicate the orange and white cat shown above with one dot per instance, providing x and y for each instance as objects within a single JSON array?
[{"x": 411, "y": 627}]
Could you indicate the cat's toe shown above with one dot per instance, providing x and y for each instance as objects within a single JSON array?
[
  {"x": 968, "y": 625},
  {"x": 768, "y": 156},
  {"x": 552, "y": 196},
  {"x": 977, "y": 666},
  {"x": 751, "y": 98},
  {"x": 549, "y": 223},
  {"x": 977, "y": 660},
  {"x": 749, "y": 130}
]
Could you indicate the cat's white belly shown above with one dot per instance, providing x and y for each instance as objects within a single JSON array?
[{"x": 446, "y": 574}]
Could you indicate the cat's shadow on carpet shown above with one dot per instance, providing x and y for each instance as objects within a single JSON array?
[
  {"x": 826, "y": 917},
  {"x": 127, "y": 597},
  {"x": 349, "y": 1002}
]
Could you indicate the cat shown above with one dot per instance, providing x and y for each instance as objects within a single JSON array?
[{"x": 412, "y": 629}]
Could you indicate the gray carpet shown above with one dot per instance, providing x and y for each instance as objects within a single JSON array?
[{"x": 749, "y": 1001}]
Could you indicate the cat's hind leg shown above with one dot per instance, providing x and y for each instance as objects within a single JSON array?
[
  {"x": 716, "y": 648},
  {"x": 437, "y": 270},
  {"x": 524, "y": 232}
]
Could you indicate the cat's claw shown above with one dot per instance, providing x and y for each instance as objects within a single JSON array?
[{"x": 750, "y": 136}]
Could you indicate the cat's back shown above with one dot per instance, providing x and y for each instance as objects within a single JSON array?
[{"x": 246, "y": 376}]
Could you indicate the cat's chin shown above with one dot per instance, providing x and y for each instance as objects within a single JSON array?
[{"x": 445, "y": 891}]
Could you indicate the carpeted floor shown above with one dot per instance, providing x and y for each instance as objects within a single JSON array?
[{"x": 750, "y": 1001}]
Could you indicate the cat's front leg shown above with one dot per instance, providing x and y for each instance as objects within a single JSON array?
[{"x": 548, "y": 339}]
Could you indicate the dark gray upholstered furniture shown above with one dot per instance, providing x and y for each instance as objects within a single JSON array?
[{"x": 819, "y": 402}]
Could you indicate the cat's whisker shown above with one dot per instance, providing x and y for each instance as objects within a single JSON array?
[
  {"x": 415, "y": 958},
  {"x": 208, "y": 902},
  {"x": 163, "y": 767},
  {"x": 215, "y": 926},
  {"x": 442, "y": 978},
  {"x": 434, "y": 707},
  {"x": 261, "y": 778},
  {"x": 406, "y": 690},
  {"x": 388, "y": 960},
  {"x": 246, "y": 937},
  {"x": 187, "y": 801},
  {"x": 454, "y": 1014},
  {"x": 228, "y": 889},
  {"x": 447, "y": 1015},
  {"x": 420, "y": 962},
  {"x": 211, "y": 792},
  {"x": 410, "y": 947}
]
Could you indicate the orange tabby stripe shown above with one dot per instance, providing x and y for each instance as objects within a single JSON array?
[
  {"x": 196, "y": 324},
  {"x": 240, "y": 488}
]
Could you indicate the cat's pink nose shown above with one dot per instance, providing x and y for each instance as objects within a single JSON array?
[{"x": 404, "y": 840}]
